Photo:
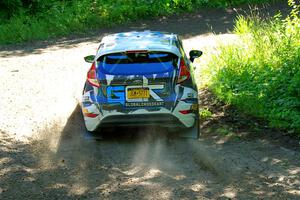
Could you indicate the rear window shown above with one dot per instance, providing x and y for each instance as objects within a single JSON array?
[{"x": 137, "y": 63}]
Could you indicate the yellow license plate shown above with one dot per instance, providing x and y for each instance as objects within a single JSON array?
[{"x": 138, "y": 93}]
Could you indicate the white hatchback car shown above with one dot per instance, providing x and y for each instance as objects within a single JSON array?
[{"x": 139, "y": 79}]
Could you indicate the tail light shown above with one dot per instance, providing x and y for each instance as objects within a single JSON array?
[
  {"x": 92, "y": 76},
  {"x": 184, "y": 73},
  {"x": 185, "y": 111},
  {"x": 137, "y": 51},
  {"x": 89, "y": 114},
  {"x": 193, "y": 108}
]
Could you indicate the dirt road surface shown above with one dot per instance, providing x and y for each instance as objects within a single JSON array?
[{"x": 44, "y": 153}]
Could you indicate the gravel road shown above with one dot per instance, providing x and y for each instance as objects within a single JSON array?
[{"x": 44, "y": 153}]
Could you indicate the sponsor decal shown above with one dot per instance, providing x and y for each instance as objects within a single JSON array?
[
  {"x": 190, "y": 95},
  {"x": 86, "y": 103},
  {"x": 116, "y": 94},
  {"x": 86, "y": 98},
  {"x": 145, "y": 104}
]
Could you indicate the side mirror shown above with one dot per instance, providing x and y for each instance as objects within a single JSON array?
[
  {"x": 195, "y": 54},
  {"x": 89, "y": 58}
]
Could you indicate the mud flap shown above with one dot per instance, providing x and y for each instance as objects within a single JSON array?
[
  {"x": 92, "y": 135},
  {"x": 192, "y": 133}
]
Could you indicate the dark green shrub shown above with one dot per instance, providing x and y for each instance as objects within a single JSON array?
[
  {"x": 9, "y": 7},
  {"x": 24, "y": 20}
]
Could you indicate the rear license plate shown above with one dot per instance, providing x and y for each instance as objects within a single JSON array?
[{"x": 138, "y": 93}]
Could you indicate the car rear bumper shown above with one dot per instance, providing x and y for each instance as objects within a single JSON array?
[
  {"x": 181, "y": 115},
  {"x": 163, "y": 120},
  {"x": 167, "y": 120}
]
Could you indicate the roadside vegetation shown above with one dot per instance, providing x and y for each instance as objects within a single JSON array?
[
  {"x": 260, "y": 74},
  {"x": 27, "y": 20}
]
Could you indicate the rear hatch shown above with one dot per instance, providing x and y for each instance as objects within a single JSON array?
[{"x": 137, "y": 79}]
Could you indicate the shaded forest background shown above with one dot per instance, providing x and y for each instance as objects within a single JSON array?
[{"x": 25, "y": 20}]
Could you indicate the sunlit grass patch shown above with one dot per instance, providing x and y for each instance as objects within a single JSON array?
[
  {"x": 261, "y": 75},
  {"x": 205, "y": 113}
]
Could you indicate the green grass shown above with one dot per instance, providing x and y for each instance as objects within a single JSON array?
[
  {"x": 29, "y": 20},
  {"x": 205, "y": 113},
  {"x": 260, "y": 75}
]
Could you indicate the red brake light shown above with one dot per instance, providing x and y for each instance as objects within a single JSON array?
[
  {"x": 91, "y": 115},
  {"x": 92, "y": 76},
  {"x": 88, "y": 114},
  {"x": 185, "y": 111},
  {"x": 184, "y": 73},
  {"x": 137, "y": 51}
]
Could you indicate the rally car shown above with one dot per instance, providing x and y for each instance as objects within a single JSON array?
[{"x": 140, "y": 79}]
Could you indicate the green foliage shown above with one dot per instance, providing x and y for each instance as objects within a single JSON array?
[
  {"x": 261, "y": 73},
  {"x": 205, "y": 113},
  {"x": 7, "y": 7},
  {"x": 225, "y": 131},
  {"x": 25, "y": 20}
]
